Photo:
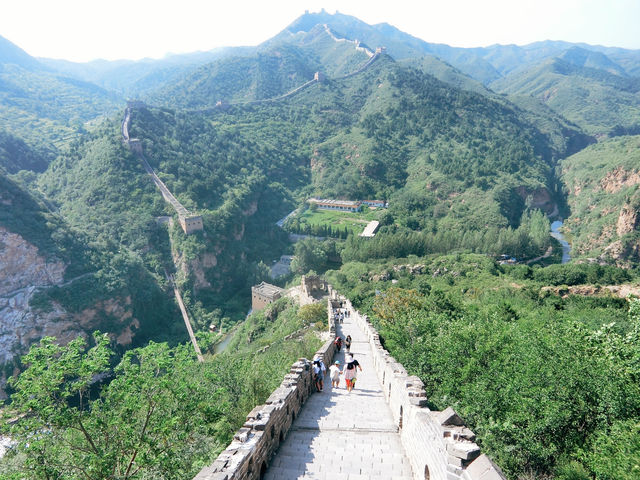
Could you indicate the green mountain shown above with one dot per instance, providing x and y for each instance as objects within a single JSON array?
[
  {"x": 240, "y": 79},
  {"x": 42, "y": 108},
  {"x": 432, "y": 65},
  {"x": 131, "y": 78},
  {"x": 386, "y": 132},
  {"x": 485, "y": 64},
  {"x": 602, "y": 103},
  {"x": 399, "y": 45},
  {"x": 581, "y": 57},
  {"x": 16, "y": 155},
  {"x": 603, "y": 183},
  {"x": 276, "y": 69}
]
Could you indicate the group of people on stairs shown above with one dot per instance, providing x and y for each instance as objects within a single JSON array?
[{"x": 349, "y": 372}]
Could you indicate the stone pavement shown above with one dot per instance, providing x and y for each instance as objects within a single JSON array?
[{"x": 344, "y": 436}]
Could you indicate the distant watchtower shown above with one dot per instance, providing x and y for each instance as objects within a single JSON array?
[
  {"x": 136, "y": 146},
  {"x": 264, "y": 294},
  {"x": 319, "y": 77},
  {"x": 191, "y": 223},
  {"x": 380, "y": 50}
]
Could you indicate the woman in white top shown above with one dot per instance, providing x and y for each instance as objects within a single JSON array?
[{"x": 334, "y": 372}]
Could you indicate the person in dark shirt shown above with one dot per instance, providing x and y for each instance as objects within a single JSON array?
[
  {"x": 318, "y": 373},
  {"x": 347, "y": 343}
]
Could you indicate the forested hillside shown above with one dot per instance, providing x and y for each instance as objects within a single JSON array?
[
  {"x": 16, "y": 155},
  {"x": 41, "y": 111},
  {"x": 600, "y": 101},
  {"x": 546, "y": 379},
  {"x": 476, "y": 151},
  {"x": 277, "y": 68},
  {"x": 58, "y": 280},
  {"x": 460, "y": 169},
  {"x": 604, "y": 194}
]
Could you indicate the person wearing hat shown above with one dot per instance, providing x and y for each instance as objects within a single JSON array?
[{"x": 334, "y": 372}]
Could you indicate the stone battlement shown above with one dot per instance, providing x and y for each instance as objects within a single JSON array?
[
  {"x": 248, "y": 455},
  {"x": 438, "y": 444}
]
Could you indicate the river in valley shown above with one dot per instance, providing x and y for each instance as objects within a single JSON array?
[
  {"x": 555, "y": 233},
  {"x": 223, "y": 344}
]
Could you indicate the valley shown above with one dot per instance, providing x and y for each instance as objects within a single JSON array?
[{"x": 112, "y": 209}]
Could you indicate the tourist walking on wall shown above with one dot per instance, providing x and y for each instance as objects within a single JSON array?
[
  {"x": 334, "y": 373},
  {"x": 318, "y": 373},
  {"x": 338, "y": 342},
  {"x": 350, "y": 372},
  {"x": 347, "y": 344}
]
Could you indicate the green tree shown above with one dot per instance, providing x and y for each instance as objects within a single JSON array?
[
  {"x": 310, "y": 254},
  {"x": 314, "y": 312},
  {"x": 158, "y": 415}
]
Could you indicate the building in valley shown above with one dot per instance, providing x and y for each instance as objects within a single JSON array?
[
  {"x": 340, "y": 205},
  {"x": 264, "y": 294}
]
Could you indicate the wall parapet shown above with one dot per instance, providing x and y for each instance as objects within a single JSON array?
[
  {"x": 438, "y": 444},
  {"x": 267, "y": 426}
]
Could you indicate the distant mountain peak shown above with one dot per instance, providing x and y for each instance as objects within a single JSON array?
[
  {"x": 582, "y": 57},
  {"x": 10, "y": 53}
]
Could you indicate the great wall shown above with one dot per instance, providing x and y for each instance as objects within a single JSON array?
[
  {"x": 188, "y": 221},
  {"x": 383, "y": 429}
]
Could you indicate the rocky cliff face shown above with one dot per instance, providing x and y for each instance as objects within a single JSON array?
[
  {"x": 605, "y": 210},
  {"x": 539, "y": 198},
  {"x": 627, "y": 220},
  {"x": 21, "y": 266},
  {"x": 23, "y": 272}
]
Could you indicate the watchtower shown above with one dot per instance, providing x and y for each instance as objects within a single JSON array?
[
  {"x": 135, "y": 145},
  {"x": 191, "y": 223},
  {"x": 264, "y": 294}
]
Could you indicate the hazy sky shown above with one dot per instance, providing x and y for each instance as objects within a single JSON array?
[{"x": 82, "y": 30}]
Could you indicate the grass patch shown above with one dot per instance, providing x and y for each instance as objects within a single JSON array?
[{"x": 332, "y": 223}]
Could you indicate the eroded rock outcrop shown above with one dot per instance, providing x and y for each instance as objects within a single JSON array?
[
  {"x": 21, "y": 265},
  {"x": 540, "y": 198},
  {"x": 24, "y": 272},
  {"x": 618, "y": 179},
  {"x": 627, "y": 220}
]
